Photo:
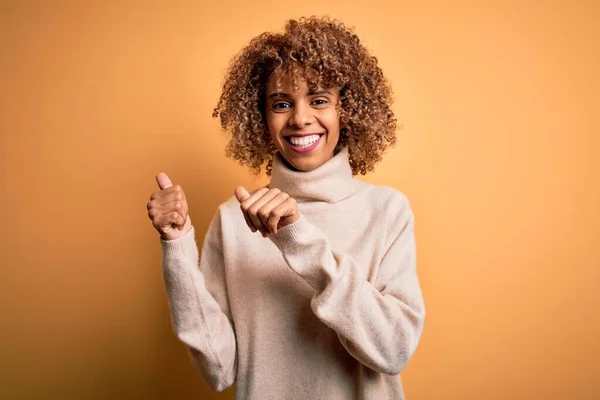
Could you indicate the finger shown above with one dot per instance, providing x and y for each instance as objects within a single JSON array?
[
  {"x": 249, "y": 222},
  {"x": 241, "y": 194},
  {"x": 164, "y": 221},
  {"x": 185, "y": 220},
  {"x": 181, "y": 208},
  {"x": 251, "y": 199},
  {"x": 257, "y": 223},
  {"x": 170, "y": 202},
  {"x": 285, "y": 209},
  {"x": 175, "y": 195},
  {"x": 273, "y": 221},
  {"x": 163, "y": 192},
  {"x": 247, "y": 203},
  {"x": 165, "y": 209},
  {"x": 263, "y": 206},
  {"x": 265, "y": 211},
  {"x": 253, "y": 210},
  {"x": 163, "y": 181}
]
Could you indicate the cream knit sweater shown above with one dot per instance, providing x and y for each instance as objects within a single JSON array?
[{"x": 329, "y": 308}]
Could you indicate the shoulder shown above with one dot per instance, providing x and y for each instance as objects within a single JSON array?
[
  {"x": 226, "y": 219},
  {"x": 229, "y": 211},
  {"x": 386, "y": 198},
  {"x": 230, "y": 205},
  {"x": 388, "y": 206}
]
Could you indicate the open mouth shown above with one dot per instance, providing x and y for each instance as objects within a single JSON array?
[{"x": 305, "y": 143}]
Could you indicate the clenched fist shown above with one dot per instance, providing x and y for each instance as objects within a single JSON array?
[
  {"x": 168, "y": 209},
  {"x": 267, "y": 209}
]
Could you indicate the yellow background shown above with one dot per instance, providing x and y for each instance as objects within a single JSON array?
[{"x": 499, "y": 156}]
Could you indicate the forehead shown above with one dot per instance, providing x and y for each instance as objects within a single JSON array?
[{"x": 284, "y": 82}]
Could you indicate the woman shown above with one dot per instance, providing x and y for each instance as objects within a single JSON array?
[{"x": 307, "y": 288}]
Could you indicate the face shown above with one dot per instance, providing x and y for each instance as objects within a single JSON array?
[{"x": 304, "y": 124}]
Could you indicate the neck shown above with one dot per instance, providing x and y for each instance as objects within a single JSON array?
[
  {"x": 330, "y": 182},
  {"x": 291, "y": 167}
]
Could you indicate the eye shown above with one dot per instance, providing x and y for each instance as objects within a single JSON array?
[
  {"x": 320, "y": 102},
  {"x": 280, "y": 106}
]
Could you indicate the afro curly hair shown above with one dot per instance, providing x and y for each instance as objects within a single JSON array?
[{"x": 327, "y": 54}]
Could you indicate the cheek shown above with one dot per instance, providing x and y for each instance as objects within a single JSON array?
[
  {"x": 275, "y": 122},
  {"x": 332, "y": 122}
]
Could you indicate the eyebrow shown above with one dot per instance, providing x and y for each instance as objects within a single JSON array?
[
  {"x": 311, "y": 93},
  {"x": 284, "y": 95}
]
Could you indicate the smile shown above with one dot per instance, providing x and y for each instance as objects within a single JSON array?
[{"x": 303, "y": 144}]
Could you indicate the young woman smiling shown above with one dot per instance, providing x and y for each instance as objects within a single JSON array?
[{"x": 325, "y": 302}]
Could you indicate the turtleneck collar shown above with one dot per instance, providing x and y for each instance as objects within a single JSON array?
[{"x": 331, "y": 182}]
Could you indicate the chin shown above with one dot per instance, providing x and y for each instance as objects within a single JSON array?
[
  {"x": 307, "y": 161},
  {"x": 305, "y": 166},
  {"x": 309, "y": 164}
]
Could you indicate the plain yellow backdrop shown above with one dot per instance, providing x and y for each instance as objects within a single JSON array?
[{"x": 499, "y": 155}]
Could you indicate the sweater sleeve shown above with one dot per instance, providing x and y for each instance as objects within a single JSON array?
[
  {"x": 200, "y": 312},
  {"x": 379, "y": 324}
]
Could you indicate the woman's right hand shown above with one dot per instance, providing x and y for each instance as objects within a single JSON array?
[{"x": 168, "y": 209}]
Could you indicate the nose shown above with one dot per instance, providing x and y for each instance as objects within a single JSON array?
[{"x": 301, "y": 116}]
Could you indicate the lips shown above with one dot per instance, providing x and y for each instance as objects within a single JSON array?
[
  {"x": 299, "y": 135},
  {"x": 303, "y": 143},
  {"x": 303, "y": 140}
]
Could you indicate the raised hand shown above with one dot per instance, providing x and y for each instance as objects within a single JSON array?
[
  {"x": 168, "y": 209},
  {"x": 267, "y": 209}
]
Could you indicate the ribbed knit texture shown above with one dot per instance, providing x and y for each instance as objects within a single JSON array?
[{"x": 329, "y": 308}]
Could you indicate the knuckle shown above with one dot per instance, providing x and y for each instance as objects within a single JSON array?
[
  {"x": 177, "y": 205},
  {"x": 263, "y": 214},
  {"x": 177, "y": 188}
]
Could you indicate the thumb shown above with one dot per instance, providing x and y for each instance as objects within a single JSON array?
[
  {"x": 241, "y": 194},
  {"x": 163, "y": 181}
]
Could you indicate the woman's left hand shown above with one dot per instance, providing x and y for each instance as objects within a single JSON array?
[{"x": 267, "y": 209}]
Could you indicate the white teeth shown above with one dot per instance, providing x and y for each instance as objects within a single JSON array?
[{"x": 304, "y": 141}]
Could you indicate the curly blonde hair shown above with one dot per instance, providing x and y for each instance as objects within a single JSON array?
[{"x": 327, "y": 54}]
